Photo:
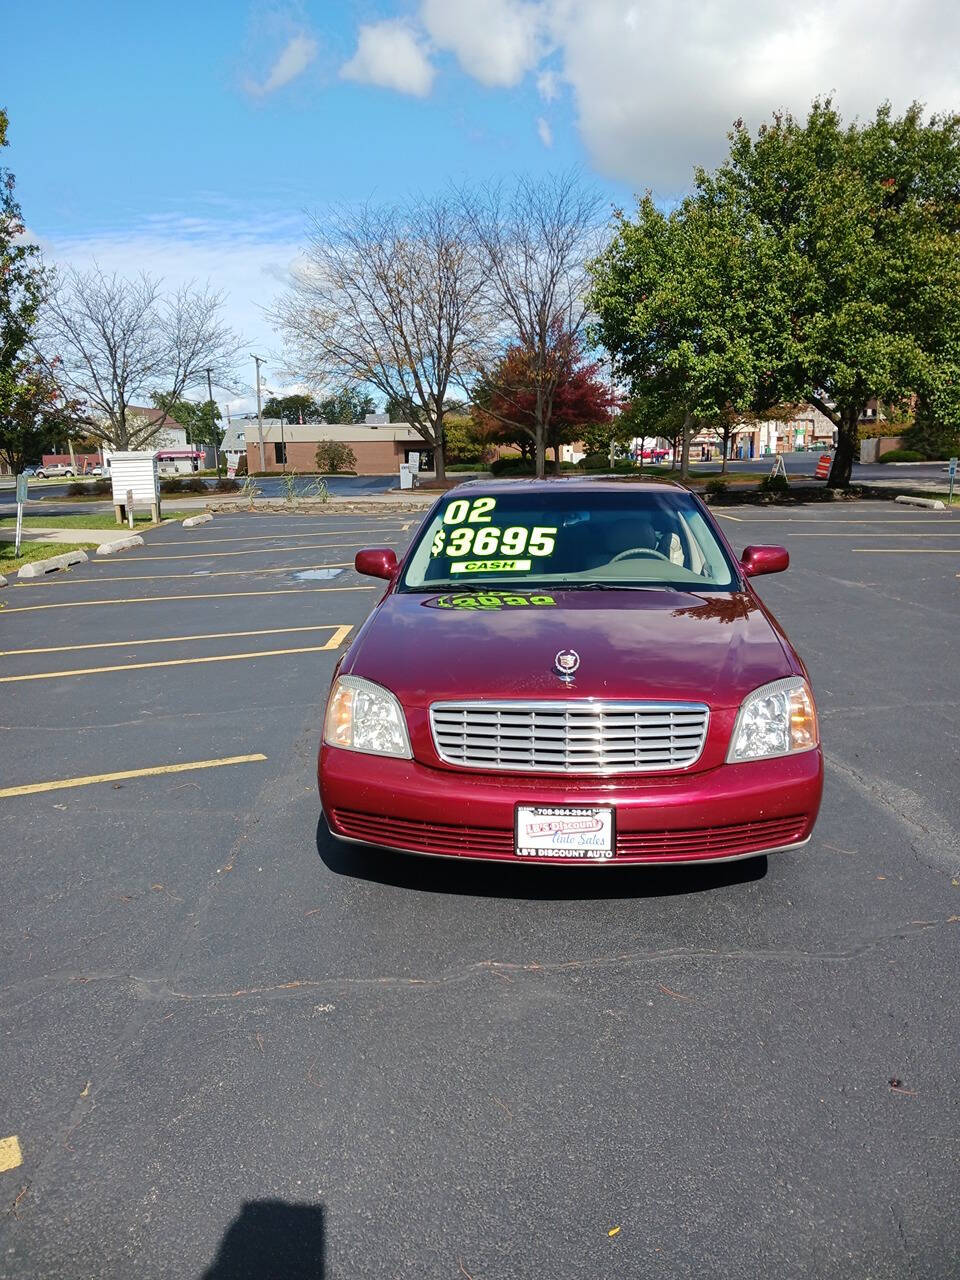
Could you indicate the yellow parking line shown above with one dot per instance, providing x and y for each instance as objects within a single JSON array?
[
  {"x": 11, "y": 1157},
  {"x": 196, "y": 595},
  {"x": 126, "y": 644},
  {"x": 736, "y": 519},
  {"x": 255, "y": 551},
  {"x": 333, "y": 643},
  {"x": 61, "y": 784},
  {"x": 157, "y": 577}
]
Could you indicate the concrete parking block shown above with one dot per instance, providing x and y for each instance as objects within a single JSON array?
[
  {"x": 194, "y": 520},
  {"x": 934, "y": 504},
  {"x": 39, "y": 567},
  {"x": 3, "y": 581},
  {"x": 119, "y": 544}
]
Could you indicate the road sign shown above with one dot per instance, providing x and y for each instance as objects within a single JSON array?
[
  {"x": 21, "y": 499},
  {"x": 953, "y": 475},
  {"x": 823, "y": 466},
  {"x": 952, "y": 469}
]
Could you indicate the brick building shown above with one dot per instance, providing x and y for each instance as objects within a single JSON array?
[{"x": 379, "y": 446}]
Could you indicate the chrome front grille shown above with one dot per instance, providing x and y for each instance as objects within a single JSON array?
[{"x": 570, "y": 737}]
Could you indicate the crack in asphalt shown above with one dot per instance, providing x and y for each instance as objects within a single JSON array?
[{"x": 160, "y": 988}]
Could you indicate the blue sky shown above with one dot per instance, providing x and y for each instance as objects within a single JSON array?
[{"x": 188, "y": 139}]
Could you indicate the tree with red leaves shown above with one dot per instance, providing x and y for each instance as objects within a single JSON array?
[{"x": 505, "y": 399}]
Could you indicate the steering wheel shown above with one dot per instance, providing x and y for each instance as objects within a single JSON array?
[{"x": 638, "y": 551}]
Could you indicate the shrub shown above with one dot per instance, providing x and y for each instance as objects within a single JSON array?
[
  {"x": 334, "y": 456},
  {"x": 96, "y": 487},
  {"x": 901, "y": 455},
  {"x": 227, "y": 484},
  {"x": 719, "y": 485},
  {"x": 929, "y": 438},
  {"x": 182, "y": 484},
  {"x": 775, "y": 484},
  {"x": 512, "y": 466}
]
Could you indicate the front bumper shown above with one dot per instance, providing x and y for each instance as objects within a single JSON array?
[{"x": 732, "y": 811}]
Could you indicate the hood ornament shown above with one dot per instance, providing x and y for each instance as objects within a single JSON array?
[{"x": 566, "y": 663}]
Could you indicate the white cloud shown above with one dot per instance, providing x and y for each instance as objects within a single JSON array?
[
  {"x": 657, "y": 88},
  {"x": 390, "y": 54},
  {"x": 496, "y": 41},
  {"x": 548, "y": 85},
  {"x": 294, "y": 58},
  {"x": 656, "y": 85},
  {"x": 544, "y": 131}
]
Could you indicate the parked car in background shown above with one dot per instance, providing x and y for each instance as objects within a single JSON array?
[
  {"x": 55, "y": 469},
  {"x": 29, "y": 471},
  {"x": 94, "y": 471}
]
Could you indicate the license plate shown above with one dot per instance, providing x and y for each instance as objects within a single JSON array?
[{"x": 579, "y": 835}]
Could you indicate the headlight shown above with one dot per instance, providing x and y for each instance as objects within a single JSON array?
[
  {"x": 775, "y": 720},
  {"x": 363, "y": 716}
]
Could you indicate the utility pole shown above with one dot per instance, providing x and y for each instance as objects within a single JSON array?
[
  {"x": 213, "y": 423},
  {"x": 263, "y": 457}
]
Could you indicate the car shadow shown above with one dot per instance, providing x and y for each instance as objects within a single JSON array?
[
  {"x": 487, "y": 879},
  {"x": 271, "y": 1240}
]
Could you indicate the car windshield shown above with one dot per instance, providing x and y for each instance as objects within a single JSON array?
[{"x": 571, "y": 537}]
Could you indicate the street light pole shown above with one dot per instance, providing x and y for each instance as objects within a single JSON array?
[
  {"x": 283, "y": 439},
  {"x": 263, "y": 458},
  {"x": 213, "y": 423}
]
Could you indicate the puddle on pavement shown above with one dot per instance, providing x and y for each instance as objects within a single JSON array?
[{"x": 314, "y": 575}]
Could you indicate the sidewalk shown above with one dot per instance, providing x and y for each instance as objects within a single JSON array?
[{"x": 88, "y": 537}]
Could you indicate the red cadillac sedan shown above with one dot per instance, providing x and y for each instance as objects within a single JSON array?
[{"x": 572, "y": 672}]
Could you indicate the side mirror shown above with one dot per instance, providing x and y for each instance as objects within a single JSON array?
[
  {"x": 378, "y": 562},
  {"x": 757, "y": 560}
]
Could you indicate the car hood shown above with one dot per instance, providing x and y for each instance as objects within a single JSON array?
[{"x": 656, "y": 645}]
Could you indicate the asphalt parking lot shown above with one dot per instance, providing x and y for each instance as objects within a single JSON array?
[{"x": 231, "y": 1048}]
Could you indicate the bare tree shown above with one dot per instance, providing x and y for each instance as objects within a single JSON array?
[
  {"x": 389, "y": 297},
  {"x": 533, "y": 248},
  {"x": 121, "y": 341}
]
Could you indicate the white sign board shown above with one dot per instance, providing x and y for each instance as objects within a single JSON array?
[
  {"x": 136, "y": 473},
  {"x": 406, "y": 475},
  {"x": 413, "y": 460}
]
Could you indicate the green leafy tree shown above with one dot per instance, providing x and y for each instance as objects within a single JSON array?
[
  {"x": 198, "y": 420},
  {"x": 347, "y": 406},
  {"x": 679, "y": 305},
  {"x": 334, "y": 456},
  {"x": 293, "y": 408},
  {"x": 861, "y": 222},
  {"x": 465, "y": 441},
  {"x": 819, "y": 263},
  {"x": 32, "y": 411}
]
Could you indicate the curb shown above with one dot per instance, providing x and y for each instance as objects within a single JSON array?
[
  {"x": 39, "y": 567},
  {"x": 194, "y": 520},
  {"x": 335, "y": 507},
  {"x": 120, "y": 544},
  {"x": 934, "y": 504}
]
